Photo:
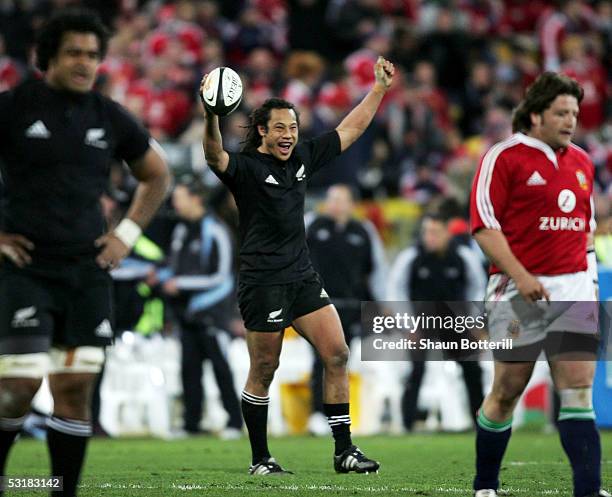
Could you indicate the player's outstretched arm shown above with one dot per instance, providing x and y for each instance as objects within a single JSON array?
[
  {"x": 495, "y": 245},
  {"x": 216, "y": 157},
  {"x": 357, "y": 121},
  {"x": 153, "y": 176}
]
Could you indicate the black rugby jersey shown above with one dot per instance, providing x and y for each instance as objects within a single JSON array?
[
  {"x": 270, "y": 197},
  {"x": 56, "y": 148}
]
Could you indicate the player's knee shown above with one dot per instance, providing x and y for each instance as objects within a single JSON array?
[
  {"x": 265, "y": 370},
  {"x": 20, "y": 378},
  {"x": 16, "y": 395},
  {"x": 72, "y": 395},
  {"x": 337, "y": 358},
  {"x": 505, "y": 396},
  {"x": 574, "y": 374}
]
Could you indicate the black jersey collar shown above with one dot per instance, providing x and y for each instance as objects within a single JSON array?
[
  {"x": 66, "y": 95},
  {"x": 271, "y": 160}
]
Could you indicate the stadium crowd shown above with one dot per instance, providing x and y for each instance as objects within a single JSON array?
[{"x": 462, "y": 66}]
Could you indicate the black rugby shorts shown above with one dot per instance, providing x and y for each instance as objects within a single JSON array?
[
  {"x": 49, "y": 303},
  {"x": 274, "y": 307}
]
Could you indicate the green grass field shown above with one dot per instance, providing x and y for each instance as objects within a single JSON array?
[{"x": 419, "y": 465}]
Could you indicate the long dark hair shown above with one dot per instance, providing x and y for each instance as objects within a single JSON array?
[
  {"x": 260, "y": 117},
  {"x": 79, "y": 20},
  {"x": 540, "y": 95}
]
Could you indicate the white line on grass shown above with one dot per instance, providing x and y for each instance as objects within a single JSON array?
[
  {"x": 544, "y": 463},
  {"x": 188, "y": 487}
]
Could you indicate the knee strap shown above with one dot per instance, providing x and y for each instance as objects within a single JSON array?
[
  {"x": 76, "y": 360},
  {"x": 34, "y": 365},
  {"x": 576, "y": 403}
]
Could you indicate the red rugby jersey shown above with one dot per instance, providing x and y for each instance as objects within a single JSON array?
[{"x": 539, "y": 199}]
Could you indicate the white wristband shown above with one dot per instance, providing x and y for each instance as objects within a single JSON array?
[{"x": 128, "y": 232}]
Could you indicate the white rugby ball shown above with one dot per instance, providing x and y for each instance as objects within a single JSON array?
[{"x": 222, "y": 91}]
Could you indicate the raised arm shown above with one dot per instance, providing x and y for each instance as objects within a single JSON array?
[
  {"x": 357, "y": 121},
  {"x": 216, "y": 157}
]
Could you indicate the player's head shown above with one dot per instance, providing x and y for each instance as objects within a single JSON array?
[
  {"x": 274, "y": 128},
  {"x": 189, "y": 198},
  {"x": 339, "y": 203},
  {"x": 435, "y": 235},
  {"x": 70, "y": 47},
  {"x": 549, "y": 110}
]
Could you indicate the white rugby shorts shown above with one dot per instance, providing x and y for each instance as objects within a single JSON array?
[{"x": 572, "y": 308}]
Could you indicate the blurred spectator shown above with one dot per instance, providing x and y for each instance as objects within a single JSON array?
[
  {"x": 199, "y": 284},
  {"x": 349, "y": 256},
  {"x": 303, "y": 71},
  {"x": 405, "y": 46},
  {"x": 212, "y": 22},
  {"x": 302, "y": 15},
  {"x": 352, "y": 22},
  {"x": 464, "y": 64},
  {"x": 447, "y": 46},
  {"x": 422, "y": 185},
  {"x": 16, "y": 26},
  {"x": 590, "y": 73},
  {"x": 413, "y": 131},
  {"x": 164, "y": 109},
  {"x": 520, "y": 16},
  {"x": 252, "y": 32},
  {"x": 568, "y": 17},
  {"x": 437, "y": 270},
  {"x": 426, "y": 82},
  {"x": 477, "y": 97},
  {"x": 10, "y": 70}
]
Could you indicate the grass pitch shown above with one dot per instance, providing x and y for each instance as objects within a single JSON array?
[{"x": 416, "y": 465}]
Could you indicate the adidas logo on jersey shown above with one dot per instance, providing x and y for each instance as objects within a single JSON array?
[
  {"x": 270, "y": 179},
  {"x": 104, "y": 329},
  {"x": 301, "y": 174},
  {"x": 38, "y": 130},
  {"x": 24, "y": 318},
  {"x": 536, "y": 179},
  {"x": 273, "y": 316}
]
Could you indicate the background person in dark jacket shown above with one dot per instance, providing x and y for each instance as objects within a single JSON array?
[
  {"x": 348, "y": 254},
  {"x": 200, "y": 283},
  {"x": 437, "y": 269}
]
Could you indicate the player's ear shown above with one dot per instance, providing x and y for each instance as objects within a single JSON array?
[
  {"x": 262, "y": 130},
  {"x": 536, "y": 119}
]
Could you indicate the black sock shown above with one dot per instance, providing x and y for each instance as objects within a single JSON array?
[
  {"x": 67, "y": 441},
  {"x": 340, "y": 424},
  {"x": 491, "y": 442},
  {"x": 255, "y": 414},
  {"x": 9, "y": 429},
  {"x": 580, "y": 439}
]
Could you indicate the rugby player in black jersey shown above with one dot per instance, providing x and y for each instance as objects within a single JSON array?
[
  {"x": 57, "y": 141},
  {"x": 278, "y": 286}
]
